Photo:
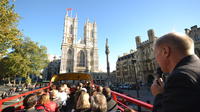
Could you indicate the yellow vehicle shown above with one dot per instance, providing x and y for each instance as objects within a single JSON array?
[{"x": 71, "y": 76}]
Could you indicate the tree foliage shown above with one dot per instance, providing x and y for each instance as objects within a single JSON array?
[
  {"x": 9, "y": 33},
  {"x": 14, "y": 65},
  {"x": 25, "y": 59},
  {"x": 35, "y": 55}
]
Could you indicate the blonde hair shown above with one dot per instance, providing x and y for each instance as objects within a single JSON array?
[
  {"x": 83, "y": 101},
  {"x": 99, "y": 103},
  {"x": 54, "y": 93},
  {"x": 45, "y": 98}
]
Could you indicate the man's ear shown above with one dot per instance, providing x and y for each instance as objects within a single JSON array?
[{"x": 166, "y": 51}]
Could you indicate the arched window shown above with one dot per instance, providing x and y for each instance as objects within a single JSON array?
[
  {"x": 92, "y": 58},
  {"x": 71, "y": 29},
  {"x": 69, "y": 58},
  {"x": 81, "y": 59}
]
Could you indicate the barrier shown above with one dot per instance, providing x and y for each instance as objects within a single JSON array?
[
  {"x": 117, "y": 95},
  {"x": 18, "y": 96}
]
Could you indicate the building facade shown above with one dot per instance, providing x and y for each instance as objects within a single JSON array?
[
  {"x": 194, "y": 33},
  {"x": 79, "y": 56},
  {"x": 139, "y": 64},
  {"x": 143, "y": 61},
  {"x": 125, "y": 69},
  {"x": 52, "y": 68}
]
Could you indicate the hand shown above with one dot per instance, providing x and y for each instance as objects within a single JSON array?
[{"x": 157, "y": 87}]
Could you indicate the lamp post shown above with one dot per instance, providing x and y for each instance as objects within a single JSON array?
[
  {"x": 107, "y": 60},
  {"x": 137, "y": 85}
]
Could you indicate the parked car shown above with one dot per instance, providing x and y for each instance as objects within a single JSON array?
[
  {"x": 116, "y": 90},
  {"x": 19, "y": 89},
  {"x": 134, "y": 86}
]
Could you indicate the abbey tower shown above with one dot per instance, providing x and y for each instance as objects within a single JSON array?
[{"x": 79, "y": 56}]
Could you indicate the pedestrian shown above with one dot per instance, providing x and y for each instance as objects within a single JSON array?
[
  {"x": 4, "y": 95},
  {"x": 175, "y": 55}
]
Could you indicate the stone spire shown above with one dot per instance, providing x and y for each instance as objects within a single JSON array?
[{"x": 107, "y": 60}]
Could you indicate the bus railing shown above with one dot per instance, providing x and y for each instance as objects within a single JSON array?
[
  {"x": 117, "y": 96},
  {"x": 18, "y": 96}
]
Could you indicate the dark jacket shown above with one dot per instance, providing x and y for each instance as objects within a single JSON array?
[
  {"x": 111, "y": 104},
  {"x": 182, "y": 88}
]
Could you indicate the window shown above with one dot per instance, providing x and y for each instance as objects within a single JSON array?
[
  {"x": 69, "y": 58},
  {"x": 81, "y": 59},
  {"x": 92, "y": 58},
  {"x": 71, "y": 29}
]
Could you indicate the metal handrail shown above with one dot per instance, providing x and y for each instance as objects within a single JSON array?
[
  {"x": 132, "y": 100},
  {"x": 18, "y": 96}
]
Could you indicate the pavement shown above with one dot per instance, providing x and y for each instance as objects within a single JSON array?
[{"x": 144, "y": 93}]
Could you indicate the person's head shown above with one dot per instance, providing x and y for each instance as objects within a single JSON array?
[
  {"x": 30, "y": 101},
  {"x": 65, "y": 87},
  {"x": 88, "y": 84},
  {"x": 171, "y": 48},
  {"x": 45, "y": 98},
  {"x": 83, "y": 101},
  {"x": 53, "y": 87},
  {"x": 107, "y": 91},
  {"x": 61, "y": 89},
  {"x": 129, "y": 110},
  {"x": 100, "y": 89},
  {"x": 80, "y": 85},
  {"x": 54, "y": 93},
  {"x": 94, "y": 92},
  {"x": 99, "y": 103}
]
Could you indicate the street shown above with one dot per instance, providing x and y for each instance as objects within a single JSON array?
[{"x": 144, "y": 93}]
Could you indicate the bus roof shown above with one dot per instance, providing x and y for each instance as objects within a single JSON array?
[{"x": 71, "y": 76}]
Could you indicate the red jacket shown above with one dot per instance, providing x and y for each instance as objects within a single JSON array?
[{"x": 48, "y": 107}]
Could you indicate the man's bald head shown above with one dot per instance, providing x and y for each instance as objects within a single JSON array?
[
  {"x": 171, "y": 48},
  {"x": 180, "y": 43}
]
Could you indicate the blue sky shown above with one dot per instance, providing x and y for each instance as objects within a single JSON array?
[{"x": 118, "y": 20}]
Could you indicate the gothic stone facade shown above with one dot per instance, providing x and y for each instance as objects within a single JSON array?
[
  {"x": 140, "y": 63},
  {"x": 144, "y": 64},
  {"x": 125, "y": 69},
  {"x": 194, "y": 33},
  {"x": 79, "y": 56},
  {"x": 145, "y": 60}
]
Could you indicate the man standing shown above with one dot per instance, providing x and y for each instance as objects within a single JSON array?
[{"x": 181, "y": 92}]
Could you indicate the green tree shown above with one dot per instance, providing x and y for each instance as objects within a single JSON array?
[
  {"x": 36, "y": 55},
  {"x": 14, "y": 65},
  {"x": 9, "y": 33},
  {"x": 25, "y": 59}
]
